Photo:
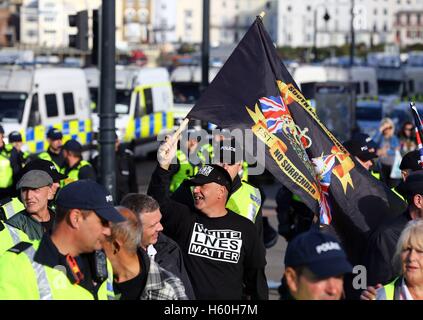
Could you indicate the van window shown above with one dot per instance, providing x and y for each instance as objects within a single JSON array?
[
  {"x": 34, "y": 114},
  {"x": 366, "y": 86},
  {"x": 138, "y": 111},
  {"x": 51, "y": 105},
  {"x": 148, "y": 96},
  {"x": 69, "y": 103},
  {"x": 12, "y": 105},
  {"x": 411, "y": 86}
]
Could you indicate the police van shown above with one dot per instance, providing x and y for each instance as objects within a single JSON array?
[
  {"x": 364, "y": 78},
  {"x": 32, "y": 100},
  {"x": 186, "y": 81},
  {"x": 144, "y": 103}
]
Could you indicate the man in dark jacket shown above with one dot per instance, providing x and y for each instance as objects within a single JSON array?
[
  {"x": 126, "y": 170},
  {"x": 222, "y": 250},
  {"x": 381, "y": 246},
  {"x": 161, "y": 248}
]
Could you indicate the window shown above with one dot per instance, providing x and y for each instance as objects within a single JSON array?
[
  {"x": 148, "y": 97},
  {"x": 69, "y": 103},
  {"x": 375, "y": 12},
  {"x": 411, "y": 85},
  {"x": 385, "y": 12},
  {"x": 288, "y": 8},
  {"x": 34, "y": 115},
  {"x": 188, "y": 13},
  {"x": 51, "y": 105},
  {"x": 418, "y": 18},
  {"x": 408, "y": 18},
  {"x": 308, "y": 8},
  {"x": 385, "y": 28},
  {"x": 366, "y": 86}
]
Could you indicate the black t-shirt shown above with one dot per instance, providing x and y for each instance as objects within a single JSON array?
[
  {"x": 133, "y": 288},
  {"x": 221, "y": 254}
]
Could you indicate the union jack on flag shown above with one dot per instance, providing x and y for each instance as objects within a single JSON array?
[{"x": 273, "y": 109}]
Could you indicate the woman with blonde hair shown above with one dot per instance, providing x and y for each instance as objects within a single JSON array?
[
  {"x": 408, "y": 260},
  {"x": 387, "y": 143}
]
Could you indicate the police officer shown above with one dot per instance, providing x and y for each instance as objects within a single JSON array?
[
  {"x": 10, "y": 236},
  {"x": 126, "y": 171},
  {"x": 75, "y": 168},
  {"x": 65, "y": 265},
  {"x": 54, "y": 151},
  {"x": 9, "y": 167},
  {"x": 15, "y": 140},
  {"x": 184, "y": 169}
]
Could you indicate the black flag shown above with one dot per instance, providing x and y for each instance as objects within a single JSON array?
[{"x": 255, "y": 91}]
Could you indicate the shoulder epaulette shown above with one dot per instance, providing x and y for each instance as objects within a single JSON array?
[
  {"x": 129, "y": 152},
  {"x": 20, "y": 247}
]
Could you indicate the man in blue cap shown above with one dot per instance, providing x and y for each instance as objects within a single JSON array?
[
  {"x": 75, "y": 167},
  {"x": 54, "y": 152},
  {"x": 315, "y": 265},
  {"x": 67, "y": 263}
]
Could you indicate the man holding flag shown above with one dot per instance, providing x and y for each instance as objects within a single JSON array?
[{"x": 254, "y": 91}]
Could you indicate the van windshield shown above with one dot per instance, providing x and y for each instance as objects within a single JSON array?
[
  {"x": 123, "y": 100},
  {"x": 368, "y": 113},
  {"x": 389, "y": 87},
  {"x": 185, "y": 92},
  {"x": 12, "y": 105}
]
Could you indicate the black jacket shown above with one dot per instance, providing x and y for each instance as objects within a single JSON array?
[
  {"x": 126, "y": 172},
  {"x": 33, "y": 228},
  {"x": 381, "y": 248},
  {"x": 169, "y": 257}
]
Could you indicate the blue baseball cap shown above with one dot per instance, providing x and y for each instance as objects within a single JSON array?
[
  {"x": 321, "y": 253},
  {"x": 89, "y": 195},
  {"x": 72, "y": 145}
]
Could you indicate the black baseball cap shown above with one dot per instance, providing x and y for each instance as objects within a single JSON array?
[
  {"x": 212, "y": 173},
  {"x": 411, "y": 161},
  {"x": 15, "y": 136},
  {"x": 72, "y": 145},
  {"x": 360, "y": 145},
  {"x": 414, "y": 183},
  {"x": 89, "y": 195},
  {"x": 321, "y": 253},
  {"x": 44, "y": 165},
  {"x": 54, "y": 134}
]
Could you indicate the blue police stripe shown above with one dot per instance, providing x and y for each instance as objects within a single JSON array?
[
  {"x": 164, "y": 119},
  {"x": 81, "y": 126},
  {"x": 74, "y": 137},
  {"x": 89, "y": 137},
  {"x": 65, "y": 127},
  {"x": 39, "y": 146},
  {"x": 137, "y": 127},
  {"x": 151, "y": 132},
  {"x": 30, "y": 134}
]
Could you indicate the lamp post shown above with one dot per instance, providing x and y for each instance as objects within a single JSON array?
[
  {"x": 352, "y": 42},
  {"x": 326, "y": 17}
]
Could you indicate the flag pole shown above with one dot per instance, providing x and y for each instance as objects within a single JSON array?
[
  {"x": 419, "y": 130},
  {"x": 261, "y": 15},
  {"x": 182, "y": 127}
]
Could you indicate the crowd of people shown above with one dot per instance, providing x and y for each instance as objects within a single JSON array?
[{"x": 198, "y": 233}]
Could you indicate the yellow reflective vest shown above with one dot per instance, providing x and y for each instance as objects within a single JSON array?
[
  {"x": 73, "y": 175},
  {"x": 22, "y": 278},
  {"x": 10, "y": 236},
  {"x": 246, "y": 201},
  {"x": 12, "y": 207},
  {"x": 186, "y": 170},
  {"x": 6, "y": 171}
]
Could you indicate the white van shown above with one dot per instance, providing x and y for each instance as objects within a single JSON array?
[
  {"x": 306, "y": 76},
  {"x": 186, "y": 82},
  {"x": 144, "y": 103},
  {"x": 32, "y": 100}
]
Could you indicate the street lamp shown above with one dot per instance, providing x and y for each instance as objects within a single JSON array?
[{"x": 326, "y": 17}]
